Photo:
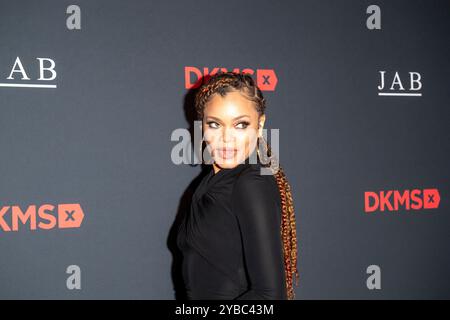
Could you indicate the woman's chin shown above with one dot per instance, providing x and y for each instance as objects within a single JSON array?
[{"x": 226, "y": 163}]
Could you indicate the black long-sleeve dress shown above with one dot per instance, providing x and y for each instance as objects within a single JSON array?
[{"x": 230, "y": 240}]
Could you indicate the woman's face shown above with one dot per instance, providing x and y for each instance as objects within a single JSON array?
[{"x": 230, "y": 128}]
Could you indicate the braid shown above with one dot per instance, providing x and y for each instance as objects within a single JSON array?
[
  {"x": 223, "y": 83},
  {"x": 289, "y": 233},
  {"x": 288, "y": 226},
  {"x": 230, "y": 81}
]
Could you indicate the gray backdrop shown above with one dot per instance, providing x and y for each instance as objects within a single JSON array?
[{"x": 100, "y": 138}]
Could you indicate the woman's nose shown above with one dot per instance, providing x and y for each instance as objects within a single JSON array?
[{"x": 227, "y": 135}]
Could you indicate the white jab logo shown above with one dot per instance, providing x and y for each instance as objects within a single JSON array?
[
  {"x": 74, "y": 280},
  {"x": 397, "y": 88},
  {"x": 46, "y": 68},
  {"x": 374, "y": 280}
]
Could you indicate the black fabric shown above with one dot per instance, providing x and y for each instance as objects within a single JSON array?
[{"x": 230, "y": 240}]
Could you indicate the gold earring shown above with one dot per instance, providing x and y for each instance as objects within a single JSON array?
[
  {"x": 257, "y": 148},
  {"x": 264, "y": 147},
  {"x": 262, "y": 158},
  {"x": 269, "y": 159}
]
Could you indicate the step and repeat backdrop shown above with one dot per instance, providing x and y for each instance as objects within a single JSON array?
[{"x": 96, "y": 99}]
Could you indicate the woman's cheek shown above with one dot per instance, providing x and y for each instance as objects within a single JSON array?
[
  {"x": 244, "y": 143},
  {"x": 211, "y": 137}
]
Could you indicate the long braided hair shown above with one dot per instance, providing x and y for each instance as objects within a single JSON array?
[{"x": 222, "y": 83}]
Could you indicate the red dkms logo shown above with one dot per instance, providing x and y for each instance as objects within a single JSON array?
[
  {"x": 46, "y": 216},
  {"x": 394, "y": 200},
  {"x": 266, "y": 79}
]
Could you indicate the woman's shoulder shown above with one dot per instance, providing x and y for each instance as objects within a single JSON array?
[
  {"x": 255, "y": 178},
  {"x": 255, "y": 194},
  {"x": 255, "y": 171}
]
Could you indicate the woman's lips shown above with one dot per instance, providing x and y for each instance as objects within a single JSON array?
[{"x": 226, "y": 153}]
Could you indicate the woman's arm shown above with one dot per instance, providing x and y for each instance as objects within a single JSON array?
[{"x": 255, "y": 206}]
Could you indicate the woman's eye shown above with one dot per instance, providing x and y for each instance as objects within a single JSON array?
[
  {"x": 215, "y": 125},
  {"x": 212, "y": 124},
  {"x": 244, "y": 125}
]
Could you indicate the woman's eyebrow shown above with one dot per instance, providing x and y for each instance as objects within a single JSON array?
[{"x": 238, "y": 117}]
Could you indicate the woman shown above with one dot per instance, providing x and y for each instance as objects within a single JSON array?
[{"x": 239, "y": 238}]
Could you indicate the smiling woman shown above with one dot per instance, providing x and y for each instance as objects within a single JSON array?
[{"x": 239, "y": 238}]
